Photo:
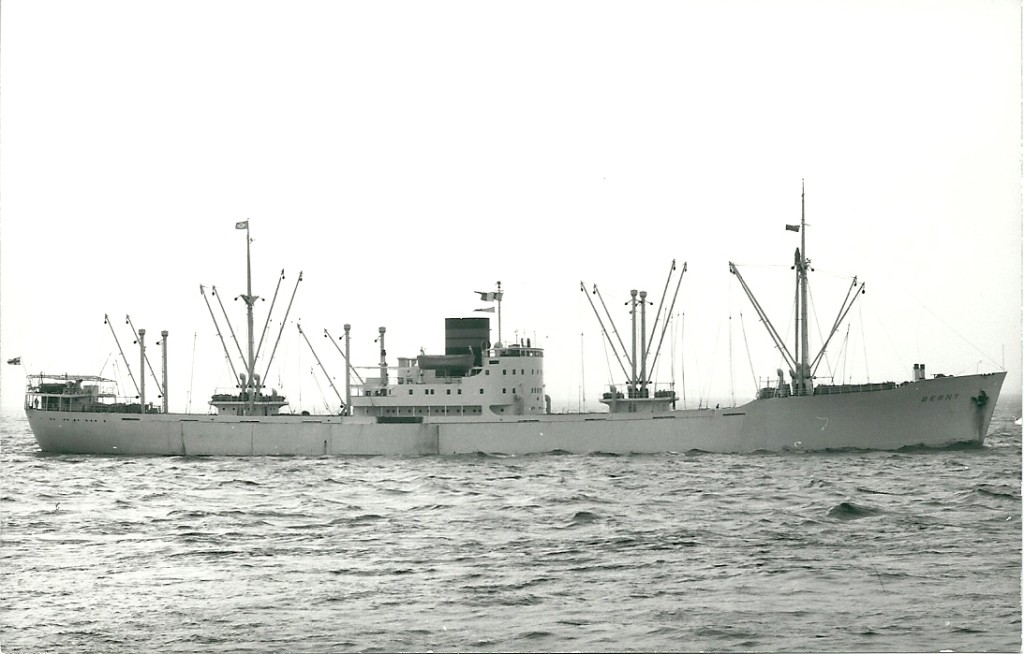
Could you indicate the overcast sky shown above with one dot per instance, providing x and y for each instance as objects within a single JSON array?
[{"x": 406, "y": 154}]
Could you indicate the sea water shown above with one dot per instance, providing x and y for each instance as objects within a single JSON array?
[{"x": 842, "y": 551}]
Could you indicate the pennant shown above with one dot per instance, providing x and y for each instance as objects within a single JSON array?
[
  {"x": 242, "y": 225},
  {"x": 489, "y": 297},
  {"x": 16, "y": 361},
  {"x": 793, "y": 228},
  {"x": 487, "y": 310}
]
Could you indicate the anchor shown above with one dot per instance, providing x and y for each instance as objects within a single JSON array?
[{"x": 980, "y": 400}]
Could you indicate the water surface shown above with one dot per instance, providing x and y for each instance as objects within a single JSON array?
[{"x": 847, "y": 551}]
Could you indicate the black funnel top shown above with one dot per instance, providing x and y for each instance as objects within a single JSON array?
[{"x": 465, "y": 335}]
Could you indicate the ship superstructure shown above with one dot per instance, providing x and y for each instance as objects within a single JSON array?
[{"x": 471, "y": 379}]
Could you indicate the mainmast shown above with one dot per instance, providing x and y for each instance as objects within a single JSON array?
[
  {"x": 250, "y": 400},
  {"x": 250, "y": 300}
]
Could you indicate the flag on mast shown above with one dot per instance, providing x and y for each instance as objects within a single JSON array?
[
  {"x": 490, "y": 296},
  {"x": 486, "y": 310},
  {"x": 793, "y": 228},
  {"x": 244, "y": 224}
]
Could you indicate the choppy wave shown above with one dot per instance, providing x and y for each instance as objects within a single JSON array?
[
  {"x": 845, "y": 551},
  {"x": 852, "y": 511}
]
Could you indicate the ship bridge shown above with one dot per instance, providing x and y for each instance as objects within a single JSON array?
[{"x": 470, "y": 379}]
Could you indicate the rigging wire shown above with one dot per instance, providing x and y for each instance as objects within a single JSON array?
[
  {"x": 789, "y": 323},
  {"x": 104, "y": 367},
  {"x": 750, "y": 360},
  {"x": 192, "y": 376},
  {"x": 706, "y": 395},
  {"x": 732, "y": 385},
  {"x": 117, "y": 379},
  {"x": 732, "y": 372},
  {"x": 657, "y": 362},
  {"x": 327, "y": 407},
  {"x": 962, "y": 337},
  {"x": 682, "y": 354},
  {"x": 895, "y": 351},
  {"x": 867, "y": 372},
  {"x": 976, "y": 365},
  {"x": 817, "y": 325},
  {"x": 672, "y": 357},
  {"x": 607, "y": 360},
  {"x": 583, "y": 377},
  {"x": 298, "y": 367},
  {"x": 843, "y": 352}
]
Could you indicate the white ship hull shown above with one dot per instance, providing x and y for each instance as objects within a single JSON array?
[{"x": 930, "y": 413}]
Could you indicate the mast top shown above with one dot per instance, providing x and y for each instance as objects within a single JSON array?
[{"x": 803, "y": 222}]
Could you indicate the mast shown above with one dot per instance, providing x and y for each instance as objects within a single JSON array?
[
  {"x": 796, "y": 323},
  {"x": 142, "y": 376},
  {"x": 643, "y": 341},
  {"x": 803, "y": 369},
  {"x": 801, "y": 365},
  {"x": 128, "y": 320},
  {"x": 632, "y": 361},
  {"x": 383, "y": 358},
  {"x": 250, "y": 300},
  {"x": 348, "y": 370},
  {"x": 346, "y": 354},
  {"x": 498, "y": 297},
  {"x": 163, "y": 350}
]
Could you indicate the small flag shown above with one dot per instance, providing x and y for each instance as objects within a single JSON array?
[
  {"x": 793, "y": 228},
  {"x": 242, "y": 225},
  {"x": 490, "y": 296},
  {"x": 487, "y": 310},
  {"x": 16, "y": 361}
]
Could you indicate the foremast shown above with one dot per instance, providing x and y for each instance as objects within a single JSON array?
[
  {"x": 802, "y": 380},
  {"x": 801, "y": 367}
]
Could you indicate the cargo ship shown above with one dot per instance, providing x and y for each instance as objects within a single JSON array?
[{"x": 484, "y": 397}]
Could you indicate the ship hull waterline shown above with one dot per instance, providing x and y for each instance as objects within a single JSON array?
[{"x": 939, "y": 412}]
